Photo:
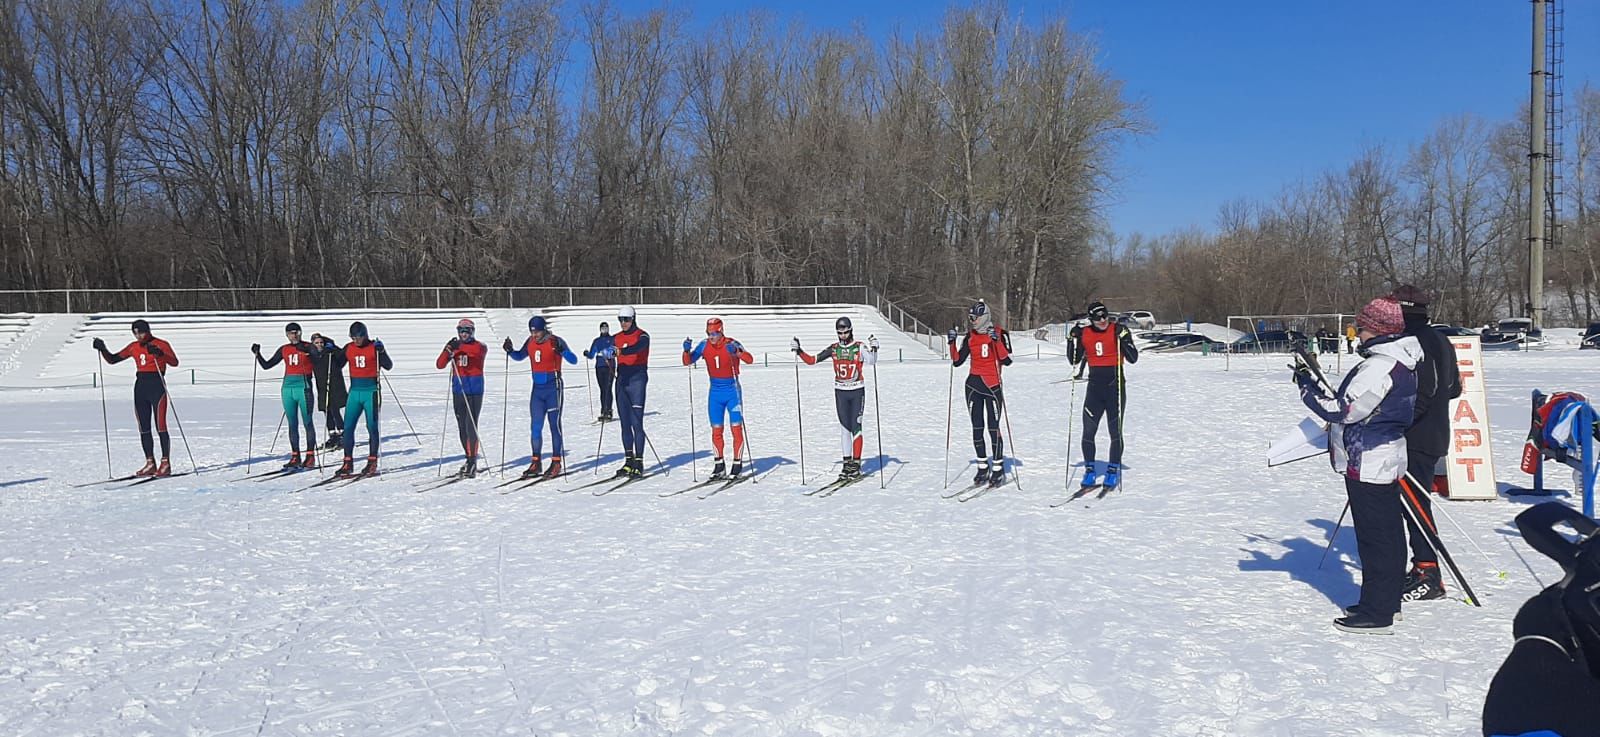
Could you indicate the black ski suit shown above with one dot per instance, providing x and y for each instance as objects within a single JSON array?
[{"x": 1428, "y": 439}]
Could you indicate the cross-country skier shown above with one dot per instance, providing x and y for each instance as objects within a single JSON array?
[
  {"x": 849, "y": 387},
  {"x": 1368, "y": 417},
  {"x": 988, "y": 348},
  {"x": 365, "y": 357},
  {"x": 151, "y": 356},
  {"x": 1438, "y": 382},
  {"x": 298, "y": 358},
  {"x": 544, "y": 353},
  {"x": 722, "y": 356},
  {"x": 465, "y": 357},
  {"x": 1104, "y": 346},
  {"x": 605, "y": 369},
  {"x": 630, "y": 351},
  {"x": 328, "y": 370}
]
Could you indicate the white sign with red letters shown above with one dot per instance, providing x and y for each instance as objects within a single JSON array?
[{"x": 1470, "y": 463}]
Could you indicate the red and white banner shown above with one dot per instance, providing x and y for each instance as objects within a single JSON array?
[{"x": 1470, "y": 462}]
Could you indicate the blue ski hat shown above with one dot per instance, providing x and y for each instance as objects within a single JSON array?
[
  {"x": 537, "y": 322},
  {"x": 358, "y": 329}
]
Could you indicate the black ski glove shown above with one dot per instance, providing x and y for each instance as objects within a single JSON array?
[
  {"x": 256, "y": 349},
  {"x": 950, "y": 336},
  {"x": 453, "y": 345},
  {"x": 1303, "y": 376},
  {"x": 507, "y": 345},
  {"x": 99, "y": 345},
  {"x": 154, "y": 349}
]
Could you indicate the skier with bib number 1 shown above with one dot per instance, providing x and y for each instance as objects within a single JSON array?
[{"x": 722, "y": 356}]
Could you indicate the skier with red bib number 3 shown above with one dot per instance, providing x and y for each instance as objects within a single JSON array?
[
  {"x": 988, "y": 348},
  {"x": 1103, "y": 345},
  {"x": 465, "y": 356},
  {"x": 722, "y": 356},
  {"x": 152, "y": 356},
  {"x": 849, "y": 388}
]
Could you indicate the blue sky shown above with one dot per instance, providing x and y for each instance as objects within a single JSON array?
[{"x": 1249, "y": 96}]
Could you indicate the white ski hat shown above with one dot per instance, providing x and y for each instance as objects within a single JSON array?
[{"x": 625, "y": 312}]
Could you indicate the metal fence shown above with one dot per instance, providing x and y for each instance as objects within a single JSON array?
[{"x": 440, "y": 297}]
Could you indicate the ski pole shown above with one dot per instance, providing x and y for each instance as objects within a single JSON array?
[
  {"x": 275, "y": 431},
  {"x": 1441, "y": 510},
  {"x": 877, "y": 417},
  {"x": 1413, "y": 509},
  {"x": 174, "y": 405},
  {"x": 1331, "y": 535},
  {"x": 402, "y": 407},
  {"x": 589, "y": 390},
  {"x": 653, "y": 452},
  {"x": 949, "y": 408},
  {"x": 444, "y": 424},
  {"x": 250, "y": 439},
  {"x": 105, "y": 419},
  {"x": 505, "y": 403},
  {"x": 799, "y": 419},
  {"x": 1072, "y": 417},
  {"x": 694, "y": 450},
  {"x": 600, "y": 437},
  {"x": 749, "y": 452},
  {"x": 1005, "y": 414}
]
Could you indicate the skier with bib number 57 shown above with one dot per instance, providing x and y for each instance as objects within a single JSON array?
[
  {"x": 988, "y": 347},
  {"x": 849, "y": 387},
  {"x": 722, "y": 356}
]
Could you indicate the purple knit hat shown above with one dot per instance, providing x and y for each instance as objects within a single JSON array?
[{"x": 1382, "y": 316}]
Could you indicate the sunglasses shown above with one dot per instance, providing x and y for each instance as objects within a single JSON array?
[
  {"x": 624, "y": 319},
  {"x": 464, "y": 331}
]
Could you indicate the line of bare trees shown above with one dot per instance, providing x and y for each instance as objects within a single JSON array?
[
  {"x": 1448, "y": 213},
  {"x": 325, "y": 143}
]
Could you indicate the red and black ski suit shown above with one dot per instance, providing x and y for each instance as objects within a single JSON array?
[
  {"x": 152, "y": 356},
  {"x": 987, "y": 352}
]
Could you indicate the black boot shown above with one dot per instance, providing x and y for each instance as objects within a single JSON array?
[
  {"x": 997, "y": 472},
  {"x": 636, "y": 470},
  {"x": 983, "y": 474},
  {"x": 738, "y": 468},
  {"x": 718, "y": 471},
  {"x": 1362, "y": 623},
  {"x": 1422, "y": 583},
  {"x": 626, "y": 469}
]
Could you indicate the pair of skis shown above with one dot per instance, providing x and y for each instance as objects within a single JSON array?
[
  {"x": 1085, "y": 493},
  {"x": 973, "y": 491},
  {"x": 712, "y": 486},
  {"x": 833, "y": 487}
]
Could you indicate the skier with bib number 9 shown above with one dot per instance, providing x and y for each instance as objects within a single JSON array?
[
  {"x": 722, "y": 356},
  {"x": 849, "y": 387},
  {"x": 988, "y": 348},
  {"x": 1104, "y": 346}
]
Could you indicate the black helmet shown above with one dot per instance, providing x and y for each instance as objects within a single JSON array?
[
  {"x": 292, "y": 327},
  {"x": 140, "y": 326},
  {"x": 842, "y": 325},
  {"x": 358, "y": 329},
  {"x": 1097, "y": 310}
]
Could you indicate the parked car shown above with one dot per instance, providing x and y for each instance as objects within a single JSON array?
[
  {"x": 1591, "y": 336},
  {"x": 1512, "y": 333},
  {"x": 1183, "y": 342},
  {"x": 1267, "y": 341},
  {"x": 1143, "y": 319},
  {"x": 1452, "y": 330}
]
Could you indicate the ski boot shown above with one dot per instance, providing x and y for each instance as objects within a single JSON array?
[
  {"x": 1422, "y": 583},
  {"x": 294, "y": 462},
  {"x": 852, "y": 469},
  {"x": 626, "y": 469},
  {"x": 604, "y": 418},
  {"x": 738, "y": 468},
  {"x": 997, "y": 473},
  {"x": 469, "y": 469},
  {"x": 718, "y": 471},
  {"x": 346, "y": 469},
  {"x": 335, "y": 441},
  {"x": 148, "y": 469},
  {"x": 555, "y": 468},
  {"x": 535, "y": 470},
  {"x": 1113, "y": 477},
  {"x": 1091, "y": 476},
  {"x": 165, "y": 469},
  {"x": 1362, "y": 623},
  {"x": 982, "y": 476},
  {"x": 371, "y": 468},
  {"x": 309, "y": 460},
  {"x": 636, "y": 469}
]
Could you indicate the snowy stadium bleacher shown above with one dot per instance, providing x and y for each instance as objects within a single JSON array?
[{"x": 214, "y": 346}]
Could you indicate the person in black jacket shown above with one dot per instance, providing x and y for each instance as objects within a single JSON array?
[
  {"x": 1438, "y": 382},
  {"x": 331, "y": 392}
]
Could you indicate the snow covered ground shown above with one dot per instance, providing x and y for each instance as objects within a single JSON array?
[{"x": 1189, "y": 603}]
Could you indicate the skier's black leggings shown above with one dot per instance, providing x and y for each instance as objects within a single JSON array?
[
  {"x": 1103, "y": 400},
  {"x": 1421, "y": 467},
  {"x": 604, "y": 376},
  {"x": 468, "y": 407},
  {"x": 983, "y": 403},
  {"x": 150, "y": 407}
]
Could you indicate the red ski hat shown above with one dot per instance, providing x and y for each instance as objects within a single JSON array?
[{"x": 1382, "y": 316}]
